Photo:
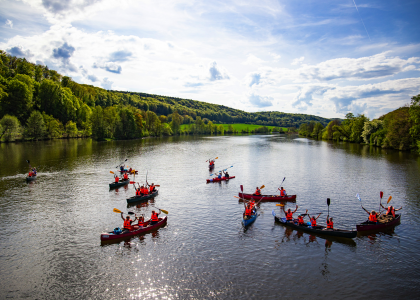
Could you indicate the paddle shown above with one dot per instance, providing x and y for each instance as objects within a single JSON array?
[
  {"x": 121, "y": 163},
  {"x": 111, "y": 172},
  {"x": 220, "y": 171},
  {"x": 389, "y": 199},
  {"x": 381, "y": 194},
  {"x": 28, "y": 163},
  {"x": 162, "y": 210},
  {"x": 211, "y": 159},
  {"x": 119, "y": 211},
  {"x": 282, "y": 182},
  {"x": 328, "y": 203}
]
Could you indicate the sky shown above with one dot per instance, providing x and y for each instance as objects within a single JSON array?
[{"x": 324, "y": 58}]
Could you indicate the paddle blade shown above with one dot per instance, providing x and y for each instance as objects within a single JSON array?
[
  {"x": 328, "y": 201},
  {"x": 358, "y": 197},
  {"x": 242, "y": 188},
  {"x": 130, "y": 213},
  {"x": 132, "y": 182},
  {"x": 389, "y": 199},
  {"x": 157, "y": 185},
  {"x": 273, "y": 213},
  {"x": 281, "y": 204},
  {"x": 381, "y": 194},
  {"x": 263, "y": 186},
  {"x": 111, "y": 172},
  {"x": 117, "y": 210},
  {"x": 164, "y": 211},
  {"x": 216, "y": 157}
]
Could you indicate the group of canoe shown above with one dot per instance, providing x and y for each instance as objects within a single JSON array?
[
  {"x": 375, "y": 222},
  {"x": 222, "y": 175}
]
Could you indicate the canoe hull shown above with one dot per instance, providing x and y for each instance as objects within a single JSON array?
[
  {"x": 32, "y": 178},
  {"x": 247, "y": 222},
  {"x": 118, "y": 184},
  {"x": 219, "y": 179},
  {"x": 141, "y": 198},
  {"x": 366, "y": 226},
  {"x": 319, "y": 229},
  {"x": 267, "y": 198},
  {"x": 109, "y": 236}
]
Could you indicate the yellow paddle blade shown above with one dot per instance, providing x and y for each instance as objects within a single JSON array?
[
  {"x": 117, "y": 210},
  {"x": 164, "y": 211},
  {"x": 216, "y": 157},
  {"x": 263, "y": 186},
  {"x": 389, "y": 199},
  {"x": 281, "y": 204},
  {"x": 111, "y": 172}
]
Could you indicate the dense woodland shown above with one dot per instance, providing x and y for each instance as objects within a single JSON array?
[
  {"x": 399, "y": 129},
  {"x": 39, "y": 103}
]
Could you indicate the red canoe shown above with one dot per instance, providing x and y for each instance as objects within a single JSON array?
[
  {"x": 370, "y": 226},
  {"x": 219, "y": 179},
  {"x": 108, "y": 236},
  {"x": 269, "y": 198}
]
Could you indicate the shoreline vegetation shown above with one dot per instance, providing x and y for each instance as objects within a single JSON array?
[{"x": 37, "y": 103}]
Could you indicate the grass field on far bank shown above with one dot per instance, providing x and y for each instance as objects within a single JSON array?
[{"x": 239, "y": 127}]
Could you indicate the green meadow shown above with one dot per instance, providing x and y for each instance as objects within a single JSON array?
[{"x": 239, "y": 127}]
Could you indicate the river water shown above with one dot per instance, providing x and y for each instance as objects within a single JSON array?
[{"x": 50, "y": 244}]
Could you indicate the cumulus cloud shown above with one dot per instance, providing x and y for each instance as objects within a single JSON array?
[
  {"x": 297, "y": 61},
  {"x": 253, "y": 60},
  {"x": 106, "y": 84},
  {"x": 92, "y": 78},
  {"x": 193, "y": 85},
  {"x": 19, "y": 52},
  {"x": 120, "y": 56},
  {"x": 9, "y": 23},
  {"x": 63, "y": 54},
  {"x": 61, "y": 6},
  {"x": 254, "y": 79},
  {"x": 216, "y": 73},
  {"x": 260, "y": 101},
  {"x": 305, "y": 95},
  {"x": 110, "y": 67}
]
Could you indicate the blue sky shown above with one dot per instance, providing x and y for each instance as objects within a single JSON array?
[{"x": 325, "y": 58}]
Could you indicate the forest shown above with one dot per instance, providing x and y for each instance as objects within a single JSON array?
[
  {"x": 39, "y": 103},
  {"x": 398, "y": 129}
]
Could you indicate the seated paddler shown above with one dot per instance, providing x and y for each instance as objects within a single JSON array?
[{"x": 128, "y": 222}]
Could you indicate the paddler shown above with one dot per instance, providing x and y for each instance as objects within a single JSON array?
[
  {"x": 300, "y": 220},
  {"x": 248, "y": 210},
  {"x": 220, "y": 175},
  {"x": 330, "y": 223},
  {"x": 390, "y": 211},
  {"x": 373, "y": 216},
  {"x": 155, "y": 217},
  {"x": 122, "y": 168},
  {"x": 257, "y": 192},
  {"x": 116, "y": 178},
  {"x": 252, "y": 204},
  {"x": 289, "y": 214},
  {"x": 282, "y": 192},
  {"x": 211, "y": 163},
  {"x": 226, "y": 174},
  {"x": 127, "y": 222},
  {"x": 313, "y": 219},
  {"x": 125, "y": 176},
  {"x": 141, "y": 221},
  {"x": 152, "y": 188}
]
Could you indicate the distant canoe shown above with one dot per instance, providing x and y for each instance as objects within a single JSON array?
[
  {"x": 30, "y": 178},
  {"x": 318, "y": 229},
  {"x": 267, "y": 198},
  {"x": 219, "y": 179},
  {"x": 142, "y": 198},
  {"x": 119, "y": 183},
  {"x": 109, "y": 236},
  {"x": 371, "y": 226}
]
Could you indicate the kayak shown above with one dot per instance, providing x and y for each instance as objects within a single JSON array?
[
  {"x": 318, "y": 229},
  {"x": 211, "y": 167},
  {"x": 120, "y": 183},
  {"x": 268, "y": 198},
  {"x": 142, "y": 198},
  {"x": 249, "y": 219},
  {"x": 382, "y": 224},
  {"x": 113, "y": 235},
  {"x": 219, "y": 179},
  {"x": 127, "y": 171},
  {"x": 30, "y": 178}
]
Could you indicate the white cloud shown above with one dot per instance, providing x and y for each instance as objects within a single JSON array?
[
  {"x": 297, "y": 61},
  {"x": 9, "y": 23}
]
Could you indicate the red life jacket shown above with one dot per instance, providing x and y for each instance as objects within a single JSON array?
[
  {"x": 313, "y": 222},
  {"x": 391, "y": 211},
  {"x": 125, "y": 176},
  {"x": 127, "y": 224},
  {"x": 138, "y": 192},
  {"x": 289, "y": 216},
  {"x": 154, "y": 217},
  {"x": 117, "y": 179},
  {"x": 330, "y": 224},
  {"x": 248, "y": 211},
  {"x": 258, "y": 192},
  {"x": 373, "y": 218},
  {"x": 282, "y": 193},
  {"x": 300, "y": 220},
  {"x": 141, "y": 223},
  {"x": 152, "y": 187}
]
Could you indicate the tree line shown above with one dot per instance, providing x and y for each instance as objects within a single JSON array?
[
  {"x": 39, "y": 103},
  {"x": 399, "y": 129}
]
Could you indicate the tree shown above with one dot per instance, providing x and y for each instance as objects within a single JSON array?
[
  {"x": 71, "y": 129},
  {"x": 97, "y": 123},
  {"x": 414, "y": 112},
  {"x": 54, "y": 128},
  {"x": 369, "y": 128},
  {"x": 35, "y": 126},
  {"x": 18, "y": 101},
  {"x": 176, "y": 122},
  {"x": 126, "y": 127},
  {"x": 9, "y": 127},
  {"x": 317, "y": 131}
]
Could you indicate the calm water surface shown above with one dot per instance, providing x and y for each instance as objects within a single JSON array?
[{"x": 50, "y": 230}]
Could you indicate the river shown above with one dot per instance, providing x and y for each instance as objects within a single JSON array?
[{"x": 50, "y": 244}]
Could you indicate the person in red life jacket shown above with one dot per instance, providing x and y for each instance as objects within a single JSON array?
[
  {"x": 313, "y": 219},
  {"x": 138, "y": 192},
  {"x": 141, "y": 221},
  {"x": 257, "y": 192},
  {"x": 128, "y": 222},
  {"x": 282, "y": 192},
  {"x": 289, "y": 214},
  {"x": 373, "y": 216},
  {"x": 330, "y": 223},
  {"x": 248, "y": 211},
  {"x": 116, "y": 178},
  {"x": 300, "y": 220},
  {"x": 252, "y": 204},
  {"x": 390, "y": 211},
  {"x": 155, "y": 217},
  {"x": 125, "y": 176},
  {"x": 152, "y": 188},
  {"x": 211, "y": 163},
  {"x": 144, "y": 190}
]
